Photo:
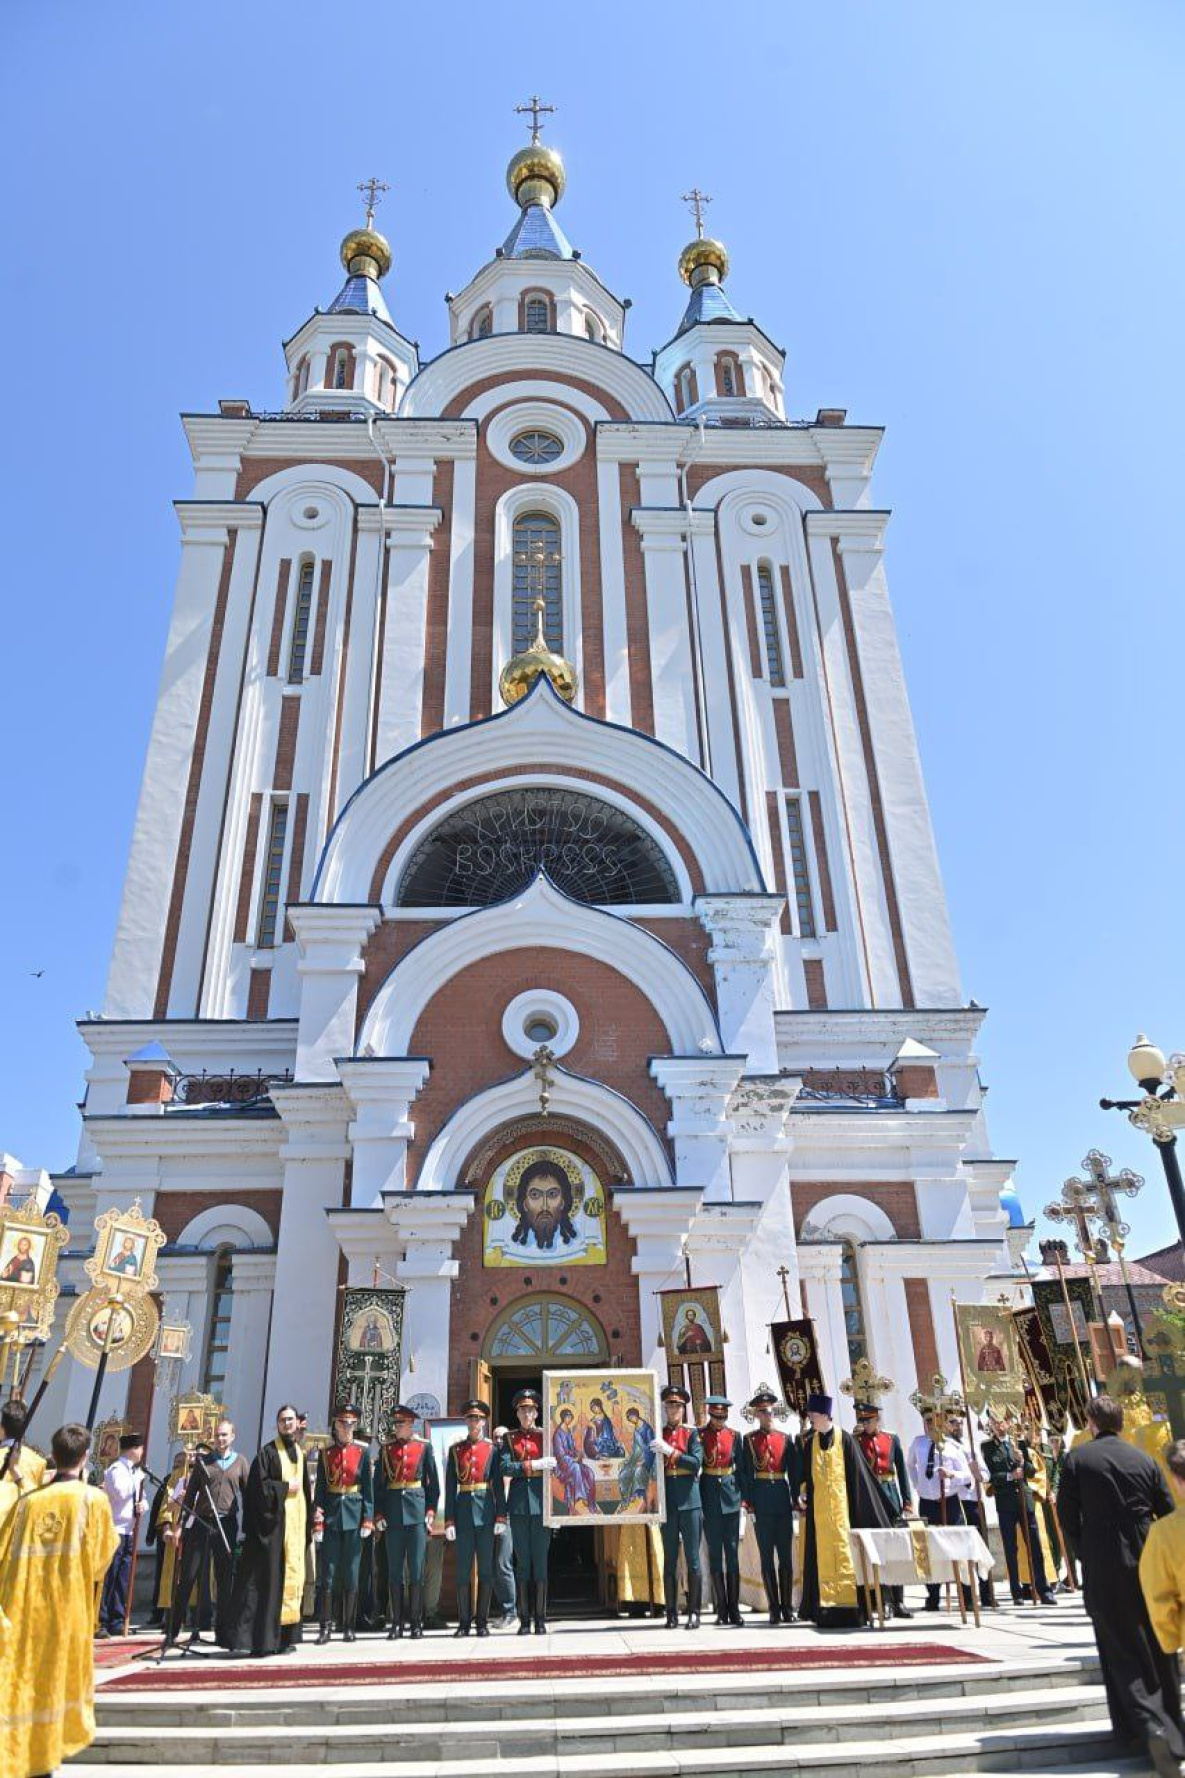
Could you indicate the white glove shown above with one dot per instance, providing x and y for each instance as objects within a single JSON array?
[
  {"x": 318, "y": 1536},
  {"x": 660, "y": 1444},
  {"x": 499, "y": 1528},
  {"x": 450, "y": 1534},
  {"x": 544, "y": 1463},
  {"x": 366, "y": 1530},
  {"x": 744, "y": 1522}
]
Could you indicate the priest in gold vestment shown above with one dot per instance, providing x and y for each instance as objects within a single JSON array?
[
  {"x": 55, "y": 1548},
  {"x": 841, "y": 1496}
]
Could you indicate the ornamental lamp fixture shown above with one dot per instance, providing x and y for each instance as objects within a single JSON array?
[{"x": 1147, "y": 1065}]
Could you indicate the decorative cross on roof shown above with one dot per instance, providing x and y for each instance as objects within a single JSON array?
[
  {"x": 865, "y": 1385},
  {"x": 371, "y": 189},
  {"x": 697, "y": 199},
  {"x": 1078, "y": 1205},
  {"x": 1108, "y": 1187},
  {"x": 537, "y": 109}
]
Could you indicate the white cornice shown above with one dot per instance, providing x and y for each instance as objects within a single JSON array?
[
  {"x": 185, "y": 1134},
  {"x": 851, "y": 529},
  {"x": 502, "y": 354},
  {"x": 195, "y": 516}
]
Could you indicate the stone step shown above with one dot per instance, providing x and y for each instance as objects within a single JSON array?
[
  {"x": 1067, "y": 1747},
  {"x": 680, "y": 1694},
  {"x": 600, "y": 1734}
]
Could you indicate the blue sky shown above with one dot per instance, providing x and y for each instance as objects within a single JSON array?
[{"x": 962, "y": 222}]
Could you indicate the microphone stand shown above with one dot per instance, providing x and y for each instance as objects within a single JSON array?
[{"x": 196, "y": 1465}]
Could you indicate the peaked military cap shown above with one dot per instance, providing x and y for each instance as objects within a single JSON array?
[
  {"x": 476, "y": 1407},
  {"x": 526, "y": 1395},
  {"x": 675, "y": 1392}
]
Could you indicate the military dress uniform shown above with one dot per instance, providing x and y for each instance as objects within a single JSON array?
[
  {"x": 474, "y": 1503},
  {"x": 720, "y": 1491},
  {"x": 408, "y": 1495},
  {"x": 771, "y": 1476},
  {"x": 524, "y": 1500},
  {"x": 343, "y": 1508},
  {"x": 1014, "y": 1499},
  {"x": 685, "y": 1513},
  {"x": 885, "y": 1458}
]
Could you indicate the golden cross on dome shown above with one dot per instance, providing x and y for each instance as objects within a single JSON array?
[
  {"x": 370, "y": 189},
  {"x": 696, "y": 199},
  {"x": 537, "y": 109}
]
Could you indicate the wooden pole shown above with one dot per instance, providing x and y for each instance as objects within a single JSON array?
[
  {"x": 114, "y": 1303},
  {"x": 980, "y": 1504},
  {"x": 1073, "y": 1326},
  {"x": 127, "y": 1615}
]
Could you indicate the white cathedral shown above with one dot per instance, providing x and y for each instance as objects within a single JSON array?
[{"x": 532, "y": 696}]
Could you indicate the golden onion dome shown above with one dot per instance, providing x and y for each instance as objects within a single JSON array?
[
  {"x": 366, "y": 253},
  {"x": 520, "y": 673},
  {"x": 704, "y": 261},
  {"x": 536, "y": 176}
]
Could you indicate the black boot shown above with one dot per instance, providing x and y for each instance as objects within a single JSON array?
[
  {"x": 900, "y": 1609},
  {"x": 326, "y": 1616},
  {"x": 671, "y": 1590},
  {"x": 718, "y": 1604},
  {"x": 541, "y": 1608},
  {"x": 416, "y": 1610},
  {"x": 732, "y": 1596},
  {"x": 695, "y": 1591},
  {"x": 522, "y": 1594},
  {"x": 786, "y": 1595},
  {"x": 396, "y": 1630},
  {"x": 771, "y": 1599},
  {"x": 462, "y": 1628},
  {"x": 349, "y": 1615},
  {"x": 483, "y": 1607}
]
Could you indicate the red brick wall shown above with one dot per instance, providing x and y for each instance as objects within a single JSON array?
[
  {"x": 921, "y": 1329},
  {"x": 897, "y": 1198},
  {"x": 174, "y": 1209}
]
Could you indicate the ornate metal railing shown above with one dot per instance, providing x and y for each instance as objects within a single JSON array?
[
  {"x": 228, "y": 1088},
  {"x": 869, "y": 1087}
]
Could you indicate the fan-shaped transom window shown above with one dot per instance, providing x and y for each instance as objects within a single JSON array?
[
  {"x": 536, "y": 447},
  {"x": 546, "y": 1327},
  {"x": 494, "y": 847}
]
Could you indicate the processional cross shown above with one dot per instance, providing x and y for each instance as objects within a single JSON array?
[
  {"x": 1108, "y": 1187},
  {"x": 537, "y": 109},
  {"x": 697, "y": 200},
  {"x": 371, "y": 190},
  {"x": 1078, "y": 1205}
]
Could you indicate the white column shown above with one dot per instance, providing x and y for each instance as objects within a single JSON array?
[
  {"x": 699, "y": 1089},
  {"x": 618, "y": 707},
  {"x": 721, "y": 1248},
  {"x": 722, "y": 746},
  {"x": 330, "y": 941},
  {"x": 253, "y": 1278},
  {"x": 381, "y": 1092},
  {"x": 405, "y": 630},
  {"x": 459, "y": 655},
  {"x": 671, "y": 666},
  {"x": 314, "y": 1154},
  {"x": 761, "y": 1148},
  {"x": 743, "y": 954},
  {"x": 427, "y": 1226},
  {"x": 658, "y": 1220},
  {"x": 890, "y": 1342}
]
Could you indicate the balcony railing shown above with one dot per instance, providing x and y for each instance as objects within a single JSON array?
[{"x": 225, "y": 1089}]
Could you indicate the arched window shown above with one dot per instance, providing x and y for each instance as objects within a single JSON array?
[
  {"x": 301, "y": 379},
  {"x": 387, "y": 382},
  {"x": 853, "y": 1305},
  {"x": 340, "y": 371},
  {"x": 537, "y": 313},
  {"x": 685, "y": 388},
  {"x": 592, "y": 326},
  {"x": 299, "y": 640},
  {"x": 769, "y": 624},
  {"x": 535, "y": 550},
  {"x": 728, "y": 382},
  {"x": 483, "y": 325},
  {"x": 495, "y": 846},
  {"x": 218, "y": 1338}
]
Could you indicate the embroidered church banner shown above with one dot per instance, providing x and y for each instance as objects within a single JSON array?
[
  {"x": 691, "y": 1327},
  {"x": 370, "y": 1356},
  {"x": 797, "y": 1354},
  {"x": 989, "y": 1355},
  {"x": 543, "y": 1207},
  {"x": 1066, "y": 1354},
  {"x": 600, "y": 1426}
]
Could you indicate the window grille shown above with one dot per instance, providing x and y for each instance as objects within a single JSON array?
[
  {"x": 769, "y": 624},
  {"x": 537, "y": 315},
  {"x": 298, "y": 645},
  {"x": 273, "y": 871},
  {"x": 536, "y": 569},
  {"x": 799, "y": 869},
  {"x": 218, "y": 1339}
]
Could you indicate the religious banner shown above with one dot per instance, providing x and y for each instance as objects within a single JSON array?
[
  {"x": 600, "y": 1430},
  {"x": 797, "y": 1354},
  {"x": 193, "y": 1418},
  {"x": 126, "y": 1245},
  {"x": 1059, "y": 1392},
  {"x": 123, "y": 1332},
  {"x": 30, "y": 1245},
  {"x": 369, "y": 1361},
  {"x": 544, "y": 1207},
  {"x": 1066, "y": 1341},
  {"x": 989, "y": 1356},
  {"x": 692, "y": 1330}
]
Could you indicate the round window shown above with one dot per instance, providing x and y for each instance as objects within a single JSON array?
[
  {"x": 540, "y": 1029},
  {"x": 536, "y": 447}
]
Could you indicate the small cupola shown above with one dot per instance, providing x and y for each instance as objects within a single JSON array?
[
  {"x": 720, "y": 367},
  {"x": 351, "y": 356}
]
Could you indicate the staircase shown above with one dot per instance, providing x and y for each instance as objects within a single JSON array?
[{"x": 1032, "y": 1716}]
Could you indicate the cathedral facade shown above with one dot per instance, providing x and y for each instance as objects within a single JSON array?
[{"x": 532, "y": 897}]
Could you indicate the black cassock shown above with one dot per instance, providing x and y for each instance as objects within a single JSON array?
[
  {"x": 1107, "y": 1499},
  {"x": 254, "y": 1616},
  {"x": 866, "y": 1511}
]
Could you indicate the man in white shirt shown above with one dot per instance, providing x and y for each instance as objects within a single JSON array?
[
  {"x": 123, "y": 1484},
  {"x": 943, "y": 1480}
]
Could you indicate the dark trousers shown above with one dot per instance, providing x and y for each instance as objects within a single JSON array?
[
  {"x": 1009, "y": 1517},
  {"x": 931, "y": 1511},
  {"x": 532, "y": 1540},
  {"x": 203, "y": 1554},
  {"x": 775, "y": 1546},
  {"x": 407, "y": 1546},
  {"x": 686, "y": 1528},
  {"x": 504, "y": 1572},
  {"x": 722, "y": 1533},
  {"x": 114, "y": 1604},
  {"x": 1142, "y": 1683}
]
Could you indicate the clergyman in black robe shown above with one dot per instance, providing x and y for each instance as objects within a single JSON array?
[
  {"x": 841, "y": 1496},
  {"x": 1107, "y": 1499},
  {"x": 265, "y": 1614}
]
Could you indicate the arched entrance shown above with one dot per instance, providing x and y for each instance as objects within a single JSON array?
[{"x": 549, "y": 1331}]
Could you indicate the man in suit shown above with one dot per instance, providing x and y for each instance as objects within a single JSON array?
[
  {"x": 1010, "y": 1468},
  {"x": 1110, "y": 1495}
]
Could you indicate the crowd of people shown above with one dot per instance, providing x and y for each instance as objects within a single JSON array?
[{"x": 340, "y": 1535}]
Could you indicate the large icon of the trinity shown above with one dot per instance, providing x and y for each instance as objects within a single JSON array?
[{"x": 543, "y": 1207}]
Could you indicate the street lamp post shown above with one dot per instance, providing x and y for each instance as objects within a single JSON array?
[{"x": 1160, "y": 1113}]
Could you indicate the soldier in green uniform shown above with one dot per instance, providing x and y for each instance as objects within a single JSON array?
[
  {"x": 474, "y": 1514},
  {"x": 525, "y": 1468},
  {"x": 343, "y": 1514},
  {"x": 408, "y": 1495},
  {"x": 1010, "y": 1468},
  {"x": 683, "y": 1458},
  {"x": 720, "y": 1491},
  {"x": 771, "y": 1475}
]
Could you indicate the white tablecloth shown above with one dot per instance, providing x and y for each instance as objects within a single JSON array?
[{"x": 904, "y": 1556}]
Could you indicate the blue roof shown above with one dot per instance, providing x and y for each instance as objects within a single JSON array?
[
  {"x": 537, "y": 235},
  {"x": 1011, "y": 1206},
  {"x": 708, "y": 303},
  {"x": 359, "y": 296}
]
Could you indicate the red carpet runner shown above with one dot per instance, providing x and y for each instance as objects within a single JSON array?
[{"x": 285, "y": 1672}]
